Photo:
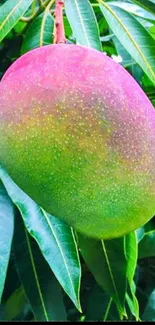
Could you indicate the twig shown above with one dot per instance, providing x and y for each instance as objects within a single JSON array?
[
  {"x": 59, "y": 32},
  {"x": 41, "y": 3},
  {"x": 36, "y": 13},
  {"x": 29, "y": 18}
]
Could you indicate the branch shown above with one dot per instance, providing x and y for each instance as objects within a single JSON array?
[
  {"x": 59, "y": 32},
  {"x": 36, "y": 13}
]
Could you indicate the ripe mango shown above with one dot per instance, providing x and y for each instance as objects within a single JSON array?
[{"x": 77, "y": 134}]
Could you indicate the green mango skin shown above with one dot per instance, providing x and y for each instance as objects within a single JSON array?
[{"x": 77, "y": 134}]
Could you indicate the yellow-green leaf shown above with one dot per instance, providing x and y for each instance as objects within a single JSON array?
[{"x": 10, "y": 12}]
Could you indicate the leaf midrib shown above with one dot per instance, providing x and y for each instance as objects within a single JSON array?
[
  {"x": 111, "y": 275},
  {"x": 35, "y": 275},
  {"x": 61, "y": 251}
]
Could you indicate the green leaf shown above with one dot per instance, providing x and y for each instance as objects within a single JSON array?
[
  {"x": 16, "y": 304},
  {"x": 140, "y": 232},
  {"x": 39, "y": 33},
  {"x": 133, "y": 36},
  {"x": 127, "y": 60},
  {"x": 146, "y": 4},
  {"x": 12, "y": 281},
  {"x": 20, "y": 27},
  {"x": 40, "y": 285},
  {"x": 68, "y": 30},
  {"x": 54, "y": 237},
  {"x": 98, "y": 301},
  {"x": 149, "y": 312},
  {"x": 135, "y": 10},
  {"x": 111, "y": 312},
  {"x": 107, "y": 262},
  {"x": 83, "y": 22},
  {"x": 6, "y": 229},
  {"x": 100, "y": 306},
  {"x": 10, "y": 12},
  {"x": 147, "y": 245},
  {"x": 152, "y": 31},
  {"x": 131, "y": 249}
]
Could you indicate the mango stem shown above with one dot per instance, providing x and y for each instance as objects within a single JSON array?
[{"x": 59, "y": 31}]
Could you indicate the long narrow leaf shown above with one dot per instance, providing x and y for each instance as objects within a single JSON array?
[
  {"x": 105, "y": 309},
  {"x": 146, "y": 4},
  {"x": 149, "y": 311},
  {"x": 6, "y": 230},
  {"x": 147, "y": 245},
  {"x": 39, "y": 33},
  {"x": 136, "y": 10},
  {"x": 131, "y": 249},
  {"x": 10, "y": 13},
  {"x": 106, "y": 260},
  {"x": 41, "y": 287},
  {"x": 54, "y": 237},
  {"x": 133, "y": 36},
  {"x": 83, "y": 22},
  {"x": 16, "y": 306}
]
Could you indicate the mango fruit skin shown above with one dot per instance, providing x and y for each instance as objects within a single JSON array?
[{"x": 77, "y": 134}]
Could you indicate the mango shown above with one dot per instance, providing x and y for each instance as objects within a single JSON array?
[{"x": 77, "y": 134}]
